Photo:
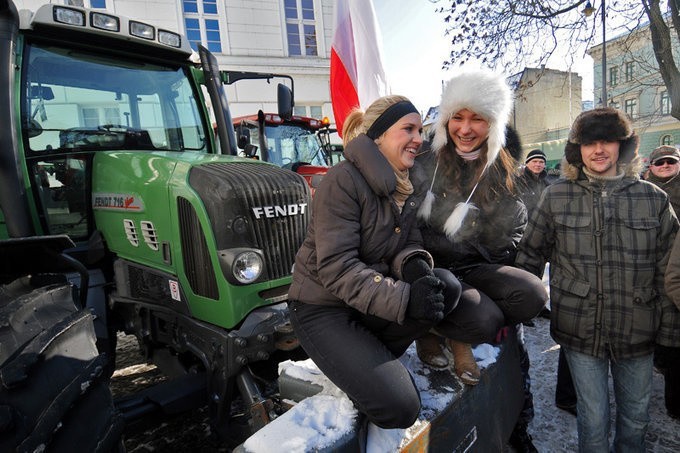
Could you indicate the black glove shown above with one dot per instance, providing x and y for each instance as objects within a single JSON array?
[
  {"x": 426, "y": 301},
  {"x": 415, "y": 268}
]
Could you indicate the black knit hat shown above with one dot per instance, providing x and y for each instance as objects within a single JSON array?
[
  {"x": 535, "y": 154},
  {"x": 606, "y": 124}
]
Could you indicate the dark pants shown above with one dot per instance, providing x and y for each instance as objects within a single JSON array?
[
  {"x": 493, "y": 296},
  {"x": 360, "y": 354},
  {"x": 527, "y": 413},
  {"x": 565, "y": 394},
  {"x": 667, "y": 359}
]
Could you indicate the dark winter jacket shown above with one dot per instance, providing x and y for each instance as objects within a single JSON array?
[
  {"x": 489, "y": 234},
  {"x": 671, "y": 318},
  {"x": 530, "y": 186},
  {"x": 608, "y": 247},
  {"x": 357, "y": 240},
  {"x": 670, "y": 322},
  {"x": 669, "y": 185}
]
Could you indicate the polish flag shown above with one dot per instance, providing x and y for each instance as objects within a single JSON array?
[{"x": 357, "y": 72}]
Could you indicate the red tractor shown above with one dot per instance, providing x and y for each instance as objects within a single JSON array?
[{"x": 300, "y": 143}]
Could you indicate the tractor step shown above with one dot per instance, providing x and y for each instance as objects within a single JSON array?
[{"x": 165, "y": 399}]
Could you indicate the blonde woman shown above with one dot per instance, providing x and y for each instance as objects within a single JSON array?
[{"x": 363, "y": 287}]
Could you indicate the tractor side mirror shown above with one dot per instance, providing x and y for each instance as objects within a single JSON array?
[
  {"x": 284, "y": 97},
  {"x": 243, "y": 134},
  {"x": 41, "y": 92},
  {"x": 243, "y": 142}
]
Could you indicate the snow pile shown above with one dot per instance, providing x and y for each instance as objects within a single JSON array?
[{"x": 319, "y": 421}]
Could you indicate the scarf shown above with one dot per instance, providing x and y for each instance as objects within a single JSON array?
[
  {"x": 603, "y": 181},
  {"x": 472, "y": 155},
  {"x": 404, "y": 188},
  {"x": 661, "y": 182}
]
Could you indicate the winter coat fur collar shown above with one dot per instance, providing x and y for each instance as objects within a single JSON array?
[{"x": 573, "y": 172}]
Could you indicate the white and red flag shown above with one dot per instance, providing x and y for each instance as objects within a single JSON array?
[{"x": 357, "y": 72}]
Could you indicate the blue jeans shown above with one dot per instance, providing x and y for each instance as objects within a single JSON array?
[{"x": 632, "y": 391}]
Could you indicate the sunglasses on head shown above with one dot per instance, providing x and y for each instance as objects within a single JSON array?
[{"x": 660, "y": 162}]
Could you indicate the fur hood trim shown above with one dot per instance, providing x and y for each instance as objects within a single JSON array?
[{"x": 484, "y": 92}]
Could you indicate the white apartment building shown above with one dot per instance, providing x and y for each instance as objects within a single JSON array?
[{"x": 290, "y": 37}]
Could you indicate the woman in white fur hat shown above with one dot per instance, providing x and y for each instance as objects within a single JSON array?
[{"x": 473, "y": 220}]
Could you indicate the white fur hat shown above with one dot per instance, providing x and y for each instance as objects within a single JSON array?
[
  {"x": 488, "y": 95},
  {"x": 484, "y": 92}
]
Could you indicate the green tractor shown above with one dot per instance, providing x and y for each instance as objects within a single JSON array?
[{"x": 122, "y": 211}]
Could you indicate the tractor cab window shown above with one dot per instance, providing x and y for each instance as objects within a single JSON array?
[
  {"x": 289, "y": 144},
  {"x": 76, "y": 104},
  {"x": 62, "y": 186},
  {"x": 80, "y": 102}
]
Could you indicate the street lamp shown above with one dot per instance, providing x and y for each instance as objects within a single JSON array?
[{"x": 588, "y": 11}]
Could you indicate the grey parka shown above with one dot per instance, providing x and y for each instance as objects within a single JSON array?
[
  {"x": 357, "y": 240},
  {"x": 608, "y": 248}
]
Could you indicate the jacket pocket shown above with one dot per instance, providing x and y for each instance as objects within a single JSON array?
[
  {"x": 638, "y": 238},
  {"x": 576, "y": 231},
  {"x": 642, "y": 323},
  {"x": 573, "y": 311}
]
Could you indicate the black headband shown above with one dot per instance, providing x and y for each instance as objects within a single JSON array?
[{"x": 390, "y": 116}]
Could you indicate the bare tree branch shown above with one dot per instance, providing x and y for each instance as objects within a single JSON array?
[{"x": 514, "y": 34}]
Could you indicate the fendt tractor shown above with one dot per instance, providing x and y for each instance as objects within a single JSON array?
[{"x": 122, "y": 212}]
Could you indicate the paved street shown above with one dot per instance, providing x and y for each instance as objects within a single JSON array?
[{"x": 554, "y": 430}]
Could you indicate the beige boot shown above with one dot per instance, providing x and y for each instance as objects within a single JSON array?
[
  {"x": 430, "y": 351},
  {"x": 464, "y": 362}
]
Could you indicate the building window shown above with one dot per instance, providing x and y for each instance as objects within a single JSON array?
[
  {"x": 666, "y": 140},
  {"x": 212, "y": 35},
  {"x": 312, "y": 111},
  {"x": 665, "y": 103},
  {"x": 614, "y": 76},
  {"x": 300, "y": 27},
  {"x": 94, "y": 116},
  {"x": 630, "y": 107},
  {"x": 202, "y": 24},
  {"x": 209, "y": 6},
  {"x": 315, "y": 111},
  {"x": 94, "y": 4},
  {"x": 190, "y": 6},
  {"x": 630, "y": 68}
]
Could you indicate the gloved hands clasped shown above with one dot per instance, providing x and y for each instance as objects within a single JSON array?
[{"x": 426, "y": 301}]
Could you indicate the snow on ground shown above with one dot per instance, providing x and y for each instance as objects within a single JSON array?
[{"x": 324, "y": 418}]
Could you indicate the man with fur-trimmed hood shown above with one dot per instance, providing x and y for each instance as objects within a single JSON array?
[{"x": 607, "y": 236}]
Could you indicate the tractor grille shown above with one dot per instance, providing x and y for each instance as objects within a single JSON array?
[
  {"x": 197, "y": 264},
  {"x": 258, "y": 206}
]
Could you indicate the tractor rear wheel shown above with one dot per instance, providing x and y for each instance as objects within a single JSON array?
[{"x": 54, "y": 395}]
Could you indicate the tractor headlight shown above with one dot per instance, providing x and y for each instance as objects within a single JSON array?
[
  {"x": 68, "y": 16},
  {"x": 241, "y": 266},
  {"x": 105, "y": 22},
  {"x": 247, "y": 267}
]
